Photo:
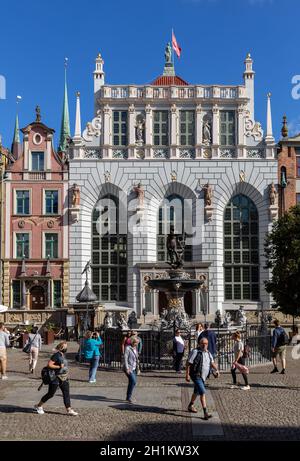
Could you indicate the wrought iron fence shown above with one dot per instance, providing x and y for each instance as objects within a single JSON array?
[{"x": 157, "y": 347}]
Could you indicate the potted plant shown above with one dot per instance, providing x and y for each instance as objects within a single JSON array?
[{"x": 49, "y": 333}]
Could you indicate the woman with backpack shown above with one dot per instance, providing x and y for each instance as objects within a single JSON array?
[
  {"x": 240, "y": 356},
  {"x": 91, "y": 348},
  {"x": 35, "y": 343},
  {"x": 59, "y": 364}
]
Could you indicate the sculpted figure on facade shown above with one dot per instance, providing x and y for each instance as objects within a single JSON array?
[
  {"x": 75, "y": 196},
  {"x": 140, "y": 126},
  {"x": 108, "y": 320},
  {"x": 206, "y": 131},
  {"x": 139, "y": 190},
  {"x": 207, "y": 194},
  {"x": 272, "y": 194}
]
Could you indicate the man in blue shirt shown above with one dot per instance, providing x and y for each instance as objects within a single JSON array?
[
  {"x": 279, "y": 342},
  {"x": 212, "y": 339}
]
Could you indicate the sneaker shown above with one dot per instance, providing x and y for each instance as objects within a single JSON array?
[
  {"x": 130, "y": 400},
  {"x": 192, "y": 409},
  {"x": 4, "y": 377},
  {"x": 207, "y": 416},
  {"x": 282, "y": 371},
  {"x": 72, "y": 412},
  {"x": 245, "y": 388},
  {"x": 234, "y": 386},
  {"x": 275, "y": 370},
  {"x": 92, "y": 381},
  {"x": 39, "y": 410}
]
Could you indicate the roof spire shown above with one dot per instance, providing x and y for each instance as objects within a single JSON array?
[
  {"x": 284, "y": 129},
  {"x": 65, "y": 132},
  {"x": 16, "y": 147},
  {"x": 77, "y": 134},
  {"x": 269, "y": 135}
]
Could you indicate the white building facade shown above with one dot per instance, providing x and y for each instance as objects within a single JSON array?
[{"x": 171, "y": 153}]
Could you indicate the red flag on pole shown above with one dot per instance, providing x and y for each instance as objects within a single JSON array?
[{"x": 175, "y": 45}]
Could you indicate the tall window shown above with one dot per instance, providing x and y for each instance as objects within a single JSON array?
[
  {"x": 241, "y": 250},
  {"x": 22, "y": 245},
  {"x": 57, "y": 295},
  {"x": 109, "y": 252},
  {"x": 298, "y": 165},
  {"x": 160, "y": 128},
  {"x": 22, "y": 202},
  {"x": 51, "y": 245},
  {"x": 16, "y": 294},
  {"x": 187, "y": 128},
  {"x": 171, "y": 213},
  {"x": 120, "y": 128},
  {"x": 297, "y": 199},
  {"x": 227, "y": 127},
  {"x": 51, "y": 201},
  {"x": 37, "y": 161}
]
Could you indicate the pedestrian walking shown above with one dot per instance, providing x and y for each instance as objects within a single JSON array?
[
  {"x": 35, "y": 342},
  {"x": 126, "y": 340},
  {"x": 59, "y": 363},
  {"x": 199, "y": 363},
  {"x": 91, "y": 348},
  {"x": 239, "y": 362},
  {"x": 199, "y": 329},
  {"x": 211, "y": 337},
  {"x": 279, "y": 342},
  {"x": 130, "y": 367},
  {"x": 4, "y": 343},
  {"x": 178, "y": 350}
]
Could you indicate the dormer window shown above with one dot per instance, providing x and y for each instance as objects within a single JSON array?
[{"x": 37, "y": 161}]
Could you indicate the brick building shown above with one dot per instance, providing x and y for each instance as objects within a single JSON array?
[{"x": 288, "y": 169}]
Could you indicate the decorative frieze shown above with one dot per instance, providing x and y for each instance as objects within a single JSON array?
[
  {"x": 228, "y": 152},
  {"x": 92, "y": 152},
  {"x": 187, "y": 153}
]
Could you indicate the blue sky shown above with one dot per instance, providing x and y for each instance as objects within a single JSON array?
[{"x": 215, "y": 36}]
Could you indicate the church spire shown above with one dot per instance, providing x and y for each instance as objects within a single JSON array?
[
  {"x": 65, "y": 131},
  {"x": 16, "y": 144}
]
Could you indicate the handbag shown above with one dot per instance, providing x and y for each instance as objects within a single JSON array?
[{"x": 27, "y": 347}]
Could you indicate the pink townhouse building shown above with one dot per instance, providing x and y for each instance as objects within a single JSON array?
[{"x": 35, "y": 252}]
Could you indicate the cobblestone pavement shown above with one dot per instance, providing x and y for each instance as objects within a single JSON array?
[{"x": 270, "y": 410}]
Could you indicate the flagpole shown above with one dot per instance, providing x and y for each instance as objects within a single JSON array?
[{"x": 172, "y": 49}]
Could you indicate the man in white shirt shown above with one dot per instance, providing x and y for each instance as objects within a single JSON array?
[{"x": 178, "y": 348}]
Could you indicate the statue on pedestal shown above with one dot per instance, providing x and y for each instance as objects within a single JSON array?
[
  {"x": 272, "y": 193},
  {"x": 140, "y": 124},
  {"x": 121, "y": 321},
  {"x": 227, "y": 320},
  {"x": 175, "y": 247},
  {"x": 168, "y": 53},
  {"x": 140, "y": 194},
  {"x": 206, "y": 132},
  {"x": 241, "y": 317},
  {"x": 108, "y": 320},
  {"x": 207, "y": 194},
  {"x": 75, "y": 196}
]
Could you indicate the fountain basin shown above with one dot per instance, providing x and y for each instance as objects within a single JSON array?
[{"x": 176, "y": 286}]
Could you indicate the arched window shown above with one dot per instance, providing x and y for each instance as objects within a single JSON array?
[
  {"x": 171, "y": 213},
  {"x": 109, "y": 251},
  {"x": 241, "y": 250}
]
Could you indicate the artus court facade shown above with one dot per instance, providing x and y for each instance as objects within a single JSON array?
[{"x": 167, "y": 153}]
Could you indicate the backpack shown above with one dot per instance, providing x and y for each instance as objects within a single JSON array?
[
  {"x": 282, "y": 339},
  {"x": 48, "y": 375}
]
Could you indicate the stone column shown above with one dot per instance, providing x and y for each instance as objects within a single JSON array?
[
  {"x": 107, "y": 131},
  {"x": 240, "y": 131},
  {"x": 148, "y": 131},
  {"x": 215, "y": 131},
  {"x": 131, "y": 131},
  {"x": 174, "y": 130},
  {"x": 198, "y": 130}
]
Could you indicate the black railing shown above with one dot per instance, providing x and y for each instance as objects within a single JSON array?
[{"x": 157, "y": 347}]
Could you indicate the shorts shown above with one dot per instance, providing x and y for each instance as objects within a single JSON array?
[
  {"x": 281, "y": 351},
  {"x": 3, "y": 353},
  {"x": 199, "y": 386}
]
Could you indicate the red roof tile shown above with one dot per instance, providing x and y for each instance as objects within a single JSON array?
[{"x": 167, "y": 80}]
